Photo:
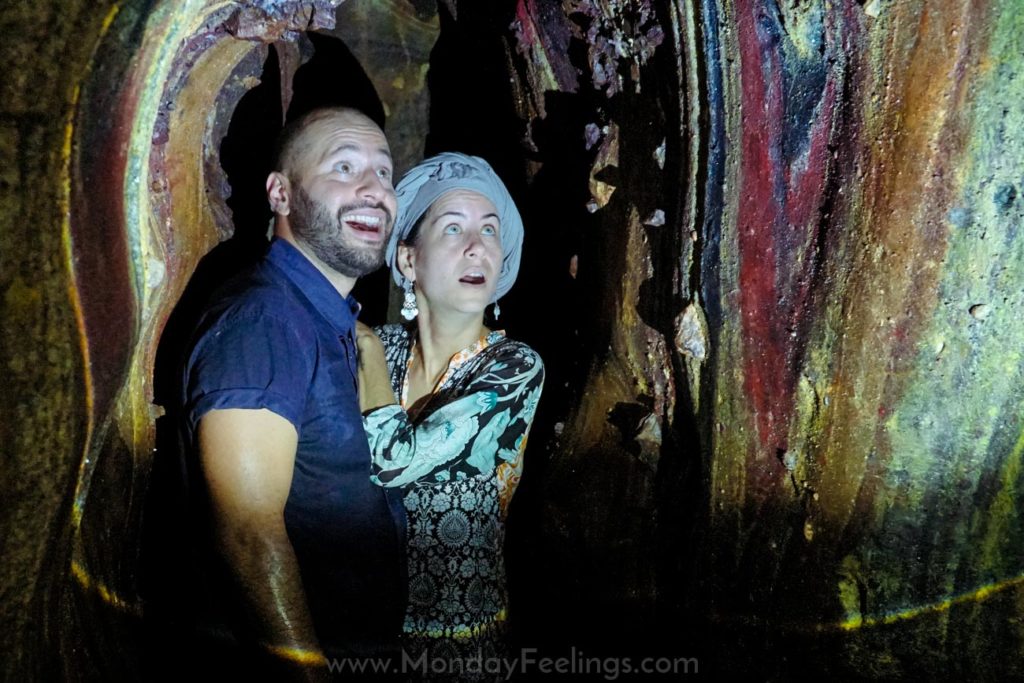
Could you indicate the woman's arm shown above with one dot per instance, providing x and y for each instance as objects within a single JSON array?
[
  {"x": 481, "y": 429},
  {"x": 374, "y": 380}
]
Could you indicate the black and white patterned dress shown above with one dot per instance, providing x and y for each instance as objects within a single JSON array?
[{"x": 458, "y": 463}]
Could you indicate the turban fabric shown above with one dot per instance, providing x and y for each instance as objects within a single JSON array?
[{"x": 433, "y": 177}]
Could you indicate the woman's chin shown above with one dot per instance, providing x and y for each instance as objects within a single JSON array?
[{"x": 465, "y": 309}]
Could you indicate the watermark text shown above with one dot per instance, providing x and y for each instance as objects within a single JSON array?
[{"x": 529, "y": 662}]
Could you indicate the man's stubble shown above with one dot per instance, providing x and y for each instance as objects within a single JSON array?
[{"x": 323, "y": 233}]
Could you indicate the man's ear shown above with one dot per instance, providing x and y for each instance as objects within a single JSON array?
[
  {"x": 406, "y": 260},
  {"x": 279, "y": 193}
]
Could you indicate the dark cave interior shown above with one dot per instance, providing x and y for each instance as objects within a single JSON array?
[{"x": 771, "y": 263}]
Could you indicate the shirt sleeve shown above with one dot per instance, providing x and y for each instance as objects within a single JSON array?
[
  {"x": 252, "y": 362},
  {"x": 485, "y": 426}
]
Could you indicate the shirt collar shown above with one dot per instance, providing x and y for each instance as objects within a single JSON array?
[{"x": 339, "y": 311}]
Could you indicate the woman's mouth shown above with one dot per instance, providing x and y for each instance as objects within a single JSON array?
[{"x": 473, "y": 278}]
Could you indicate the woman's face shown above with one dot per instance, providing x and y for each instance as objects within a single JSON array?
[{"x": 457, "y": 257}]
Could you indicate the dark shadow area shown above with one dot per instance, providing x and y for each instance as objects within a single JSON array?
[
  {"x": 172, "y": 585},
  {"x": 543, "y": 551}
]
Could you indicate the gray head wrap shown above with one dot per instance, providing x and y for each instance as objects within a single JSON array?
[{"x": 433, "y": 177}]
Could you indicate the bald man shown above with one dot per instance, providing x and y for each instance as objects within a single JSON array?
[{"x": 311, "y": 548}]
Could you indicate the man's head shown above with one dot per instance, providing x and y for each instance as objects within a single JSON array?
[{"x": 331, "y": 189}]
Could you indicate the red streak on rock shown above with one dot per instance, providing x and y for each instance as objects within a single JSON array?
[
  {"x": 542, "y": 28},
  {"x": 762, "y": 113},
  {"x": 102, "y": 273},
  {"x": 525, "y": 27},
  {"x": 777, "y": 223}
]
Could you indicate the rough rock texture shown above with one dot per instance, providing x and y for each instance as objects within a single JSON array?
[
  {"x": 865, "y": 450},
  {"x": 772, "y": 264},
  {"x": 47, "y": 424}
]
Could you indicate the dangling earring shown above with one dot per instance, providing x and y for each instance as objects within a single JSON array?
[
  {"x": 409, "y": 308},
  {"x": 497, "y": 310}
]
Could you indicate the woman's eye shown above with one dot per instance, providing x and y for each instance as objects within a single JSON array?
[
  {"x": 489, "y": 230},
  {"x": 343, "y": 167},
  {"x": 451, "y": 229}
]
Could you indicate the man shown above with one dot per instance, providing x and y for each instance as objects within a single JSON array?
[{"x": 312, "y": 550}]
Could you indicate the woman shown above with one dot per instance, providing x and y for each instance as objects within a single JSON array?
[{"x": 453, "y": 442}]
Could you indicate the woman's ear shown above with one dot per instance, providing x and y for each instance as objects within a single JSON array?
[
  {"x": 279, "y": 193},
  {"x": 407, "y": 261}
]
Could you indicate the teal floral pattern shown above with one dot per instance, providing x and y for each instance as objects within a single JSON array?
[{"x": 458, "y": 463}]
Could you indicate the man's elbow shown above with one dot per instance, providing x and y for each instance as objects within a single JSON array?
[{"x": 246, "y": 539}]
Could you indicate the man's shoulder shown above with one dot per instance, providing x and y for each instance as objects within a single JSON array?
[
  {"x": 257, "y": 297},
  {"x": 254, "y": 348}
]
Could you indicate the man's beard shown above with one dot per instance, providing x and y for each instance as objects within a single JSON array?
[{"x": 311, "y": 222}]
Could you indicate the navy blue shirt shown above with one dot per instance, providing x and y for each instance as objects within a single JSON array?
[{"x": 281, "y": 337}]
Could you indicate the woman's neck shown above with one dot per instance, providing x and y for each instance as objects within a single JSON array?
[{"x": 441, "y": 337}]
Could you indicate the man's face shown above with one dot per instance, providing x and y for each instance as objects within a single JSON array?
[{"x": 343, "y": 202}]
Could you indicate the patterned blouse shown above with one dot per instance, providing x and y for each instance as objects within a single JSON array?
[{"x": 458, "y": 462}]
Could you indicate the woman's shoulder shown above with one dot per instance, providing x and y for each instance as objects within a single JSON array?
[{"x": 512, "y": 350}]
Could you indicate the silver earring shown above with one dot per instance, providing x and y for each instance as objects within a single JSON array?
[
  {"x": 497, "y": 310},
  {"x": 409, "y": 308}
]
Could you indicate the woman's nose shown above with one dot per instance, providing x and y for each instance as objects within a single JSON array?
[{"x": 474, "y": 247}]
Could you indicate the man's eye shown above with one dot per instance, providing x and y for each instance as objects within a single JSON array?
[
  {"x": 451, "y": 229},
  {"x": 384, "y": 173},
  {"x": 343, "y": 167}
]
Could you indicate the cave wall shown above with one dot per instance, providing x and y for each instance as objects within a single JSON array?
[
  {"x": 47, "y": 423},
  {"x": 819, "y": 324},
  {"x": 866, "y": 440},
  {"x": 773, "y": 265}
]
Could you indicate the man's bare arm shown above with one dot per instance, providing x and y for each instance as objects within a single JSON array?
[{"x": 248, "y": 457}]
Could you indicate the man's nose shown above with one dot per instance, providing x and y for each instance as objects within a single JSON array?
[{"x": 372, "y": 186}]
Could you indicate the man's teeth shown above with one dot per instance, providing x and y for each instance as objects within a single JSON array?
[{"x": 370, "y": 221}]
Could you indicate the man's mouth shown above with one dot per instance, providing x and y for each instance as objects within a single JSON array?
[
  {"x": 369, "y": 226},
  {"x": 473, "y": 277}
]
